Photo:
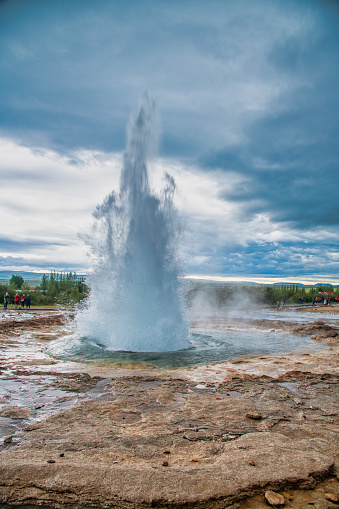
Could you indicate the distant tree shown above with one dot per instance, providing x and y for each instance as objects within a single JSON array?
[
  {"x": 17, "y": 281},
  {"x": 52, "y": 289},
  {"x": 44, "y": 284}
]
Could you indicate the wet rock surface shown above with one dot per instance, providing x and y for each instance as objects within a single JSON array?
[
  {"x": 20, "y": 322},
  {"x": 204, "y": 438},
  {"x": 319, "y": 329},
  {"x": 213, "y": 436}
]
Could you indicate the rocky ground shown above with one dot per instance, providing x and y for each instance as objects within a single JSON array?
[{"x": 248, "y": 434}]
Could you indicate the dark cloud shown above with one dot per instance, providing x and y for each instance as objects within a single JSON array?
[
  {"x": 291, "y": 156},
  {"x": 299, "y": 259},
  {"x": 14, "y": 245},
  {"x": 290, "y": 171},
  {"x": 17, "y": 262}
]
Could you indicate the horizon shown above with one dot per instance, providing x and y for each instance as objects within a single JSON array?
[{"x": 262, "y": 280}]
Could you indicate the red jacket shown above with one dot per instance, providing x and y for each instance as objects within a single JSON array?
[{"x": 16, "y": 298}]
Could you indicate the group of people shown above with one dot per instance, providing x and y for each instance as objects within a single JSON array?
[
  {"x": 24, "y": 300},
  {"x": 315, "y": 301},
  {"x": 327, "y": 301}
]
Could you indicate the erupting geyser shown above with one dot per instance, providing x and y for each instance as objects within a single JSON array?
[{"x": 135, "y": 300}]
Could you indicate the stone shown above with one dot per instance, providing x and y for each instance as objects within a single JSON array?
[
  {"x": 274, "y": 499},
  {"x": 332, "y": 497},
  {"x": 253, "y": 415},
  {"x": 165, "y": 463},
  {"x": 8, "y": 440}
]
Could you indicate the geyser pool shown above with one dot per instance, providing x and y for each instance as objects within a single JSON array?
[
  {"x": 206, "y": 347},
  {"x": 135, "y": 301}
]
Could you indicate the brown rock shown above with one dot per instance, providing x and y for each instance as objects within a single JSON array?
[
  {"x": 8, "y": 440},
  {"x": 167, "y": 451},
  {"x": 15, "y": 412},
  {"x": 253, "y": 415},
  {"x": 274, "y": 499},
  {"x": 197, "y": 484},
  {"x": 332, "y": 497},
  {"x": 165, "y": 463}
]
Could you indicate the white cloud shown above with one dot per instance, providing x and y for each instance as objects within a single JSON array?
[{"x": 47, "y": 199}]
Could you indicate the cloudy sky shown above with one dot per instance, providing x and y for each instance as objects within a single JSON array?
[{"x": 248, "y": 98}]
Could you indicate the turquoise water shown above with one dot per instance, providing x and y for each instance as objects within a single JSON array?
[{"x": 206, "y": 347}]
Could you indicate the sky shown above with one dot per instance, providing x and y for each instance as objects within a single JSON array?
[{"x": 248, "y": 100}]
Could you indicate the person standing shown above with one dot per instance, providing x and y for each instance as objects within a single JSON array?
[
  {"x": 28, "y": 302},
  {"x": 16, "y": 300},
  {"x": 22, "y": 301},
  {"x": 7, "y": 300}
]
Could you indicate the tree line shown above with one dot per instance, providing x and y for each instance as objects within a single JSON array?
[
  {"x": 293, "y": 293},
  {"x": 56, "y": 288},
  {"x": 224, "y": 295},
  {"x": 68, "y": 289}
]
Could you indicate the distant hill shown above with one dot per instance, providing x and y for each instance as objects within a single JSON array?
[
  {"x": 5, "y": 275},
  {"x": 28, "y": 276},
  {"x": 289, "y": 284},
  {"x": 209, "y": 282}
]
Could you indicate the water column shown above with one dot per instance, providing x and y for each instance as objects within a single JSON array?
[{"x": 135, "y": 301}]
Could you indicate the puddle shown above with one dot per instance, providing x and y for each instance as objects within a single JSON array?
[
  {"x": 291, "y": 386},
  {"x": 179, "y": 401},
  {"x": 235, "y": 394},
  {"x": 102, "y": 390},
  {"x": 33, "y": 394},
  {"x": 152, "y": 383},
  {"x": 36, "y": 396}
]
